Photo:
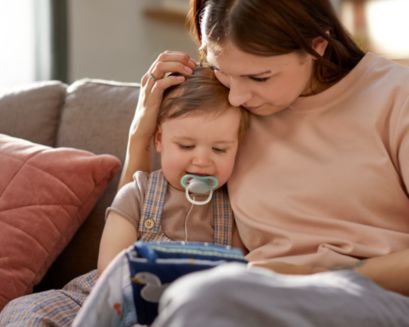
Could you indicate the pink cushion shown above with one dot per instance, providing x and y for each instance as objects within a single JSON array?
[{"x": 45, "y": 195}]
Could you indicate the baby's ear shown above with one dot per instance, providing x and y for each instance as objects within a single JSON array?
[{"x": 158, "y": 139}]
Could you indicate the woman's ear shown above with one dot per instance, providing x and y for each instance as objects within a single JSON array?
[
  {"x": 319, "y": 44},
  {"x": 158, "y": 139}
]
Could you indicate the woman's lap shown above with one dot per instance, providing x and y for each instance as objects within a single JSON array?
[{"x": 236, "y": 296}]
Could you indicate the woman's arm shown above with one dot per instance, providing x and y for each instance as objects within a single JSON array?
[
  {"x": 143, "y": 125},
  {"x": 118, "y": 235},
  {"x": 390, "y": 271}
]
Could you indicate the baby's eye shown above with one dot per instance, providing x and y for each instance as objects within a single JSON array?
[
  {"x": 186, "y": 146},
  {"x": 219, "y": 150}
]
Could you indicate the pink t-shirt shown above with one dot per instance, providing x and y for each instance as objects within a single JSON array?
[{"x": 325, "y": 181}]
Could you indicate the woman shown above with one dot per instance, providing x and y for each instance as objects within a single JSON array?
[{"x": 321, "y": 183}]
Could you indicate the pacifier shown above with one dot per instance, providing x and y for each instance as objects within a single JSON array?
[{"x": 199, "y": 185}]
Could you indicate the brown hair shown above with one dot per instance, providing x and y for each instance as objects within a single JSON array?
[
  {"x": 201, "y": 92},
  {"x": 276, "y": 27}
]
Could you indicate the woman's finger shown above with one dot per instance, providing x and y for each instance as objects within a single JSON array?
[
  {"x": 178, "y": 56},
  {"x": 161, "y": 69},
  {"x": 159, "y": 86},
  {"x": 171, "y": 62}
]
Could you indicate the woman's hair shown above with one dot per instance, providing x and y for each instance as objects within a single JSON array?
[
  {"x": 276, "y": 27},
  {"x": 200, "y": 93}
]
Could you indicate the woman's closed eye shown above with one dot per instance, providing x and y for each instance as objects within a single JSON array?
[{"x": 259, "y": 79}]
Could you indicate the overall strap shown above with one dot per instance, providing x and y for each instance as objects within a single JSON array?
[
  {"x": 222, "y": 217},
  {"x": 150, "y": 222}
]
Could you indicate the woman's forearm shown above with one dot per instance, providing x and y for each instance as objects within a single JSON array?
[
  {"x": 138, "y": 155},
  {"x": 144, "y": 123},
  {"x": 390, "y": 271}
]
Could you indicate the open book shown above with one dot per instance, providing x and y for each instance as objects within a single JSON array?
[
  {"x": 154, "y": 265},
  {"x": 129, "y": 289}
]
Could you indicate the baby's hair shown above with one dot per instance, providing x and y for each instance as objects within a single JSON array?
[{"x": 200, "y": 93}]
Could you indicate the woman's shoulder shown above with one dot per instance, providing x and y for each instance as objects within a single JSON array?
[{"x": 391, "y": 71}]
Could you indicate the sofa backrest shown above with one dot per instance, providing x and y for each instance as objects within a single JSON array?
[{"x": 32, "y": 112}]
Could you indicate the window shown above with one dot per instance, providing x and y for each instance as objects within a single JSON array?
[
  {"x": 378, "y": 25},
  {"x": 17, "y": 58},
  {"x": 33, "y": 38}
]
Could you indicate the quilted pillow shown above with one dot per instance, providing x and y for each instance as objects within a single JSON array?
[{"x": 45, "y": 195}]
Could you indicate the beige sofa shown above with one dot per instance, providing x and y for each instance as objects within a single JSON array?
[{"x": 93, "y": 115}]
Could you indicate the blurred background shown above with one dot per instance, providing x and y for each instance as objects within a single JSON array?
[{"x": 118, "y": 39}]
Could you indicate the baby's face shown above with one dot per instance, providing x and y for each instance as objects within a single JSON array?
[{"x": 201, "y": 144}]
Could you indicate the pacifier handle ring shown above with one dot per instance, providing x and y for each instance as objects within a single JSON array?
[{"x": 199, "y": 203}]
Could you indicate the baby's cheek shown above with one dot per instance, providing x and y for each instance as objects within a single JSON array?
[{"x": 226, "y": 170}]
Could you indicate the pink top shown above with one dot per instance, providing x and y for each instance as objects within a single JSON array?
[{"x": 326, "y": 181}]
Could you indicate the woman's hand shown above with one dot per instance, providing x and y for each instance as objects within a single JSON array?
[
  {"x": 153, "y": 84},
  {"x": 287, "y": 268},
  {"x": 143, "y": 126}
]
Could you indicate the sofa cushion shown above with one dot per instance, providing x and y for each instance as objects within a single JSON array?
[
  {"x": 45, "y": 195},
  {"x": 32, "y": 112}
]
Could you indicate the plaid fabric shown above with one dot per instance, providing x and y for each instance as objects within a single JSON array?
[
  {"x": 222, "y": 217},
  {"x": 50, "y": 308},
  {"x": 150, "y": 222}
]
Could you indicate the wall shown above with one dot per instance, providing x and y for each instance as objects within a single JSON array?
[{"x": 114, "y": 40}]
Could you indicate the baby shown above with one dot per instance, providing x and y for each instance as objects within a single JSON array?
[{"x": 197, "y": 138}]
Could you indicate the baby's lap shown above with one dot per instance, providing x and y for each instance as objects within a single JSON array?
[{"x": 47, "y": 305}]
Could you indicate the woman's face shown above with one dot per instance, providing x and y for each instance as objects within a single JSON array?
[{"x": 263, "y": 85}]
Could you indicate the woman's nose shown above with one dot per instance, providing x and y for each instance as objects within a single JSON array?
[{"x": 238, "y": 95}]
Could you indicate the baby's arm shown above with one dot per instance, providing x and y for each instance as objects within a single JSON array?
[{"x": 118, "y": 235}]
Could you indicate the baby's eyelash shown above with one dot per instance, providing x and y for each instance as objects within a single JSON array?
[
  {"x": 219, "y": 150},
  {"x": 185, "y": 147}
]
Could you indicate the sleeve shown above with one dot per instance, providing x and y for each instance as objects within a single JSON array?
[{"x": 129, "y": 200}]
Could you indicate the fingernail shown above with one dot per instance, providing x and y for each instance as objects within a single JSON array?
[{"x": 192, "y": 63}]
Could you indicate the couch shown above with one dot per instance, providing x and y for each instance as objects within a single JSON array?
[{"x": 93, "y": 115}]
